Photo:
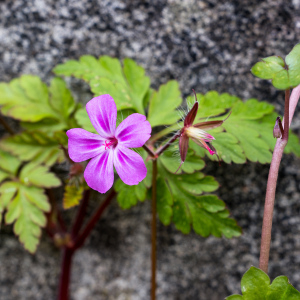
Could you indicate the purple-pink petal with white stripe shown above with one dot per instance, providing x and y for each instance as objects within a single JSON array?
[
  {"x": 134, "y": 131},
  {"x": 83, "y": 145},
  {"x": 102, "y": 112},
  {"x": 129, "y": 165},
  {"x": 99, "y": 173}
]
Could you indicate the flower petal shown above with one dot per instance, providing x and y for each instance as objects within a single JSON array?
[
  {"x": 183, "y": 146},
  {"x": 102, "y": 112},
  {"x": 129, "y": 165},
  {"x": 208, "y": 125},
  {"x": 99, "y": 173},
  {"x": 190, "y": 117},
  {"x": 134, "y": 131},
  {"x": 204, "y": 145},
  {"x": 83, "y": 145}
]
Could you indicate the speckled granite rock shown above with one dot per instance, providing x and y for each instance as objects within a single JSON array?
[{"x": 205, "y": 45}]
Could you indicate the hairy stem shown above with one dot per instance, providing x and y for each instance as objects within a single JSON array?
[
  {"x": 164, "y": 132},
  {"x": 64, "y": 281},
  {"x": 153, "y": 232},
  {"x": 6, "y": 126},
  {"x": 272, "y": 181},
  {"x": 160, "y": 150},
  {"x": 79, "y": 241}
]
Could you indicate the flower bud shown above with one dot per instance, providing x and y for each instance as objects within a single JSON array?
[{"x": 277, "y": 131}]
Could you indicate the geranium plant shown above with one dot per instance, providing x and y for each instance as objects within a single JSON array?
[{"x": 56, "y": 131}]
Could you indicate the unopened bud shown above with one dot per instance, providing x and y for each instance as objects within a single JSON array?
[{"x": 278, "y": 129}]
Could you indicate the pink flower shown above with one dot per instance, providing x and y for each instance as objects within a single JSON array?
[{"x": 110, "y": 147}]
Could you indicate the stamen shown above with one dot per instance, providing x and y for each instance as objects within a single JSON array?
[
  {"x": 106, "y": 144},
  {"x": 109, "y": 143}
]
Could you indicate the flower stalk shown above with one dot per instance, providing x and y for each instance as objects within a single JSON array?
[{"x": 77, "y": 238}]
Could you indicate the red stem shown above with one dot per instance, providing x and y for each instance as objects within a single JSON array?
[
  {"x": 80, "y": 214},
  {"x": 149, "y": 150},
  {"x": 6, "y": 126},
  {"x": 60, "y": 226},
  {"x": 79, "y": 241},
  {"x": 64, "y": 280},
  {"x": 153, "y": 231}
]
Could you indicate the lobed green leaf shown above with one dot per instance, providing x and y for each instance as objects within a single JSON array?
[
  {"x": 36, "y": 146},
  {"x": 284, "y": 74},
  {"x": 129, "y": 195},
  {"x": 29, "y": 100},
  {"x": 25, "y": 207},
  {"x": 163, "y": 104},
  {"x": 255, "y": 285},
  {"x": 9, "y": 163},
  {"x": 37, "y": 175},
  {"x": 205, "y": 213},
  {"x": 128, "y": 86}
]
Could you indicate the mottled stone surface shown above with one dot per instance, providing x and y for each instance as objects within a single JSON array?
[{"x": 205, "y": 45}]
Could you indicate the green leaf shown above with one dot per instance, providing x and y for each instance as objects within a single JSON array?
[
  {"x": 26, "y": 99},
  {"x": 61, "y": 99},
  {"x": 29, "y": 100},
  {"x": 245, "y": 134},
  {"x": 284, "y": 75},
  {"x": 128, "y": 87},
  {"x": 36, "y": 146},
  {"x": 26, "y": 208},
  {"x": 72, "y": 195},
  {"x": 243, "y": 125},
  {"x": 163, "y": 104},
  {"x": 137, "y": 81},
  {"x": 62, "y": 102},
  {"x": 83, "y": 120},
  {"x": 171, "y": 161},
  {"x": 205, "y": 213},
  {"x": 164, "y": 202},
  {"x": 7, "y": 191},
  {"x": 212, "y": 104},
  {"x": 3, "y": 175},
  {"x": 37, "y": 175},
  {"x": 129, "y": 195},
  {"x": 255, "y": 285},
  {"x": 228, "y": 147},
  {"x": 88, "y": 68},
  {"x": 9, "y": 163}
]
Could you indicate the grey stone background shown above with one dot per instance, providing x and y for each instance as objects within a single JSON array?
[{"x": 205, "y": 45}]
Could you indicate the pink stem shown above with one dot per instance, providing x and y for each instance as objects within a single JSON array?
[{"x": 290, "y": 105}]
